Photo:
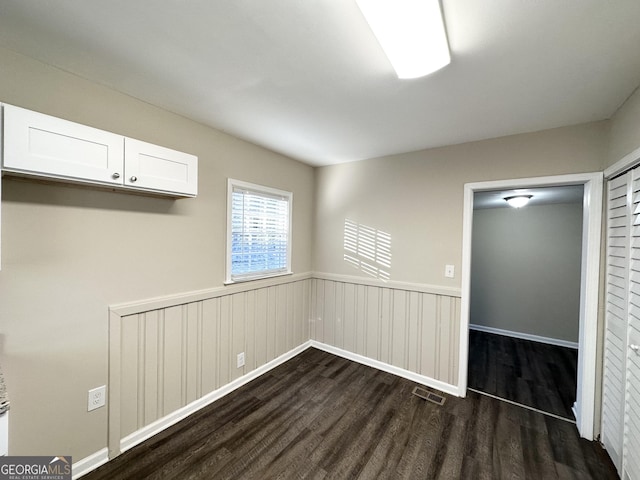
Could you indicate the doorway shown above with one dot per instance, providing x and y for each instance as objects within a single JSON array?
[
  {"x": 525, "y": 297},
  {"x": 589, "y": 278}
]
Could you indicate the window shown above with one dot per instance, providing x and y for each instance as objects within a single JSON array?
[{"x": 258, "y": 231}]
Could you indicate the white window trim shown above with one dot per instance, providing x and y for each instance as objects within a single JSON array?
[{"x": 231, "y": 184}]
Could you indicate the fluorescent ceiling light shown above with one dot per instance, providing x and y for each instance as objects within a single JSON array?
[
  {"x": 518, "y": 201},
  {"x": 411, "y": 33}
]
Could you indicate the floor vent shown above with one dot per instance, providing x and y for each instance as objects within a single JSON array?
[{"x": 429, "y": 396}]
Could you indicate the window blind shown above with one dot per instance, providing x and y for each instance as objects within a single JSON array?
[{"x": 259, "y": 233}]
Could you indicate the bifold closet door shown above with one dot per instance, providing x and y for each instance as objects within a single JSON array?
[
  {"x": 631, "y": 446},
  {"x": 618, "y": 246},
  {"x": 621, "y": 381}
]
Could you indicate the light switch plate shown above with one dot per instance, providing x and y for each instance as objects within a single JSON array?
[{"x": 449, "y": 271}]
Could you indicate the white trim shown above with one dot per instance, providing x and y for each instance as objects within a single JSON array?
[
  {"x": 589, "y": 299},
  {"x": 467, "y": 224},
  {"x": 131, "y": 308},
  {"x": 90, "y": 463},
  {"x": 525, "y": 336},
  {"x": 373, "y": 282},
  {"x": 591, "y": 243},
  {"x": 261, "y": 277},
  {"x": 625, "y": 163},
  {"x": 174, "y": 417},
  {"x": 385, "y": 367},
  {"x": 522, "y": 405},
  {"x": 155, "y": 303}
]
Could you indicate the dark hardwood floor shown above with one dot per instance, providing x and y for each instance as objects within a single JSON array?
[
  {"x": 319, "y": 416},
  {"x": 535, "y": 374}
]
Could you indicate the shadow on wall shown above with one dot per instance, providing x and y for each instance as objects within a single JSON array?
[
  {"x": 49, "y": 193},
  {"x": 367, "y": 249}
]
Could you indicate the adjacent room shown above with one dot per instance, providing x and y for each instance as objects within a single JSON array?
[
  {"x": 248, "y": 240},
  {"x": 525, "y": 297}
]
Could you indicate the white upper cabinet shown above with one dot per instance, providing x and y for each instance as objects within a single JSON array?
[
  {"x": 40, "y": 145},
  {"x": 153, "y": 167}
]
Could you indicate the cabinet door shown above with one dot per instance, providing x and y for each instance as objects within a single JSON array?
[
  {"x": 39, "y": 144},
  {"x": 152, "y": 167}
]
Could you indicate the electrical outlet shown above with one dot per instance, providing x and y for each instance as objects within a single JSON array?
[
  {"x": 97, "y": 397},
  {"x": 240, "y": 360}
]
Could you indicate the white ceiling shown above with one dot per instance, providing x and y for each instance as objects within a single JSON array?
[
  {"x": 539, "y": 196},
  {"x": 307, "y": 78}
]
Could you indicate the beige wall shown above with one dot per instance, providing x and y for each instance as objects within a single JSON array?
[
  {"x": 625, "y": 129},
  {"x": 416, "y": 198},
  {"x": 525, "y": 270},
  {"x": 68, "y": 253}
]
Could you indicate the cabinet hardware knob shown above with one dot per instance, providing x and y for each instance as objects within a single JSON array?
[
  {"x": 134, "y": 178},
  {"x": 634, "y": 347},
  {"x": 116, "y": 175}
]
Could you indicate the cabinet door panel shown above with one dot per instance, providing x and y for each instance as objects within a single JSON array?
[
  {"x": 44, "y": 145},
  {"x": 153, "y": 167}
]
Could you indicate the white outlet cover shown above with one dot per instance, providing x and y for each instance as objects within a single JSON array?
[
  {"x": 240, "y": 360},
  {"x": 97, "y": 398}
]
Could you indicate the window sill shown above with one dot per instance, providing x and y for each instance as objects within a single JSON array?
[{"x": 261, "y": 277}]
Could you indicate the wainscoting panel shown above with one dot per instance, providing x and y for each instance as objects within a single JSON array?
[
  {"x": 414, "y": 330},
  {"x": 168, "y": 356}
]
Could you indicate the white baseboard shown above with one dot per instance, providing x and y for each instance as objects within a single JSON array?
[
  {"x": 525, "y": 336},
  {"x": 385, "y": 367},
  {"x": 90, "y": 463},
  {"x": 161, "y": 424}
]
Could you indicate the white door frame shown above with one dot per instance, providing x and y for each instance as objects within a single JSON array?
[{"x": 589, "y": 283}]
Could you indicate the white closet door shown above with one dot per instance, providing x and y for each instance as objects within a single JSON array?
[
  {"x": 631, "y": 462},
  {"x": 615, "y": 345}
]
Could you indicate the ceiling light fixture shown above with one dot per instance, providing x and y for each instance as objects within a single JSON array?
[
  {"x": 518, "y": 201},
  {"x": 411, "y": 33}
]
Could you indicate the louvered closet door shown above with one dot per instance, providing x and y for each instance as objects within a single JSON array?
[
  {"x": 631, "y": 462},
  {"x": 613, "y": 401}
]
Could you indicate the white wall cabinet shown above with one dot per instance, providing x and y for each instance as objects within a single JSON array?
[{"x": 40, "y": 145}]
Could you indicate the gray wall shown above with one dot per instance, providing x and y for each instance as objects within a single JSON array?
[{"x": 525, "y": 270}]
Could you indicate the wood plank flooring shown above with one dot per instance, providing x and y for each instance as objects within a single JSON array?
[
  {"x": 535, "y": 374},
  {"x": 319, "y": 416}
]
